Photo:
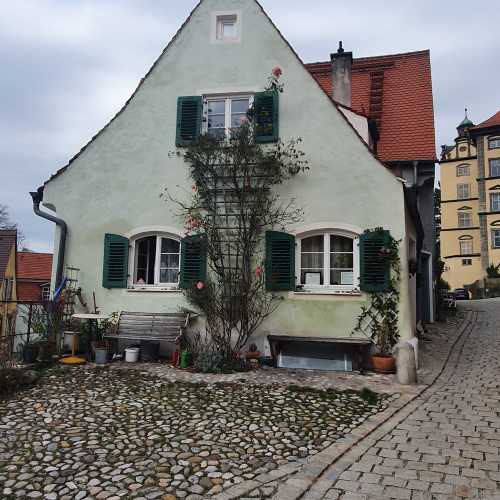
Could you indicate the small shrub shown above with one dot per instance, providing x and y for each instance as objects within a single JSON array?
[
  {"x": 13, "y": 380},
  {"x": 209, "y": 362}
]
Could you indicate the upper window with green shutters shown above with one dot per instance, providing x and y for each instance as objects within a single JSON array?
[{"x": 221, "y": 115}]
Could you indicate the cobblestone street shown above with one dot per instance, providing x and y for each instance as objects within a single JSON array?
[{"x": 448, "y": 445}]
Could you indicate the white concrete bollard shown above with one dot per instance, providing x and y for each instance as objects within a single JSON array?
[{"x": 405, "y": 364}]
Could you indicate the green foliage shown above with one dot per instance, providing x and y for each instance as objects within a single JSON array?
[
  {"x": 383, "y": 308},
  {"x": 493, "y": 271},
  {"x": 209, "y": 362},
  {"x": 13, "y": 380}
]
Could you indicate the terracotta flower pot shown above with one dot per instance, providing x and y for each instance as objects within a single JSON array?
[
  {"x": 383, "y": 363},
  {"x": 252, "y": 354}
]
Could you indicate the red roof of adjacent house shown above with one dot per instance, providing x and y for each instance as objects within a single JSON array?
[
  {"x": 32, "y": 271},
  {"x": 492, "y": 121},
  {"x": 34, "y": 266},
  {"x": 396, "y": 92},
  {"x": 8, "y": 239}
]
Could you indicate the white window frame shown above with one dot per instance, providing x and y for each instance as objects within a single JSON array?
[
  {"x": 463, "y": 191},
  {"x": 466, "y": 262},
  {"x": 496, "y": 197},
  {"x": 461, "y": 223},
  {"x": 466, "y": 247},
  {"x": 228, "y": 98},
  {"x": 218, "y": 18},
  {"x": 494, "y": 238},
  {"x": 45, "y": 292},
  {"x": 463, "y": 170},
  {"x": 495, "y": 140},
  {"x": 326, "y": 233},
  {"x": 133, "y": 255},
  {"x": 491, "y": 166}
]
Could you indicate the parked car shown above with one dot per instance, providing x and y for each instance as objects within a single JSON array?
[{"x": 461, "y": 294}]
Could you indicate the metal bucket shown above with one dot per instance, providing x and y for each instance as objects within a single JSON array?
[{"x": 101, "y": 355}]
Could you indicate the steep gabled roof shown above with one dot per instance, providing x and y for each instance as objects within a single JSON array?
[
  {"x": 63, "y": 169},
  {"x": 34, "y": 266},
  {"x": 492, "y": 121},
  {"x": 8, "y": 240},
  {"x": 395, "y": 91}
]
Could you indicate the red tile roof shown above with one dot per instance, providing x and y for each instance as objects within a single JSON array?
[
  {"x": 492, "y": 121},
  {"x": 396, "y": 92},
  {"x": 32, "y": 271},
  {"x": 29, "y": 292},
  {"x": 8, "y": 239},
  {"x": 34, "y": 266}
]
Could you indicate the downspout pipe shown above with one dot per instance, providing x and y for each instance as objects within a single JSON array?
[{"x": 37, "y": 197}]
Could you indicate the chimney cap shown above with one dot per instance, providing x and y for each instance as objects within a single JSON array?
[{"x": 340, "y": 50}]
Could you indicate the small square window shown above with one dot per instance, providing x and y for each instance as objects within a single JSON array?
[
  {"x": 227, "y": 27},
  {"x": 466, "y": 262}
]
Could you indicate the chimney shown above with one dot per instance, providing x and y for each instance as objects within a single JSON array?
[{"x": 342, "y": 76}]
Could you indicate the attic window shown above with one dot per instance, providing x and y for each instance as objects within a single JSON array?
[{"x": 227, "y": 27}]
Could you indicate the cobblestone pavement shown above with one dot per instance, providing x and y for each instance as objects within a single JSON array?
[
  {"x": 85, "y": 433},
  {"x": 447, "y": 445}
]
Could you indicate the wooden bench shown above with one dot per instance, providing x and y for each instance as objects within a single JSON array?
[
  {"x": 359, "y": 346},
  {"x": 167, "y": 327}
]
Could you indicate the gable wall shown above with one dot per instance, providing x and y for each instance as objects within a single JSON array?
[{"x": 114, "y": 185}]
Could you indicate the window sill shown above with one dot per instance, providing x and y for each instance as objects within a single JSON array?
[
  {"x": 154, "y": 289},
  {"x": 350, "y": 293}
]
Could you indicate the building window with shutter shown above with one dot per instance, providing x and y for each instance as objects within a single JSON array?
[
  {"x": 223, "y": 114},
  {"x": 495, "y": 202},
  {"x": 463, "y": 170},
  {"x": 463, "y": 191},
  {"x": 495, "y": 238},
  {"x": 495, "y": 167},
  {"x": 155, "y": 260},
  {"x": 328, "y": 261},
  {"x": 466, "y": 247},
  {"x": 493, "y": 142},
  {"x": 464, "y": 219}
]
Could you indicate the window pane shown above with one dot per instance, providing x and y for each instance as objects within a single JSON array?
[
  {"x": 312, "y": 260},
  {"x": 495, "y": 202},
  {"x": 239, "y": 106},
  {"x": 312, "y": 277},
  {"x": 312, "y": 244},
  {"x": 228, "y": 30},
  {"x": 217, "y": 107},
  {"x": 495, "y": 168},
  {"x": 340, "y": 244},
  {"x": 169, "y": 246},
  {"x": 237, "y": 120},
  {"x": 341, "y": 277},
  {"x": 494, "y": 142},
  {"x": 169, "y": 275},
  {"x": 496, "y": 238},
  {"x": 216, "y": 121},
  {"x": 170, "y": 260},
  {"x": 342, "y": 260}
]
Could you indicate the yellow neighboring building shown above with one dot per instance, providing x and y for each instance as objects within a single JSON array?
[
  {"x": 470, "y": 202},
  {"x": 8, "y": 292}
]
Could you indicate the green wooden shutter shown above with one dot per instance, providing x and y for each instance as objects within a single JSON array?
[
  {"x": 115, "y": 265},
  {"x": 375, "y": 270},
  {"x": 193, "y": 261},
  {"x": 266, "y": 116},
  {"x": 189, "y": 110},
  {"x": 280, "y": 261}
]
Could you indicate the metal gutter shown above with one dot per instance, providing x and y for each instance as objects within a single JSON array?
[{"x": 37, "y": 197}]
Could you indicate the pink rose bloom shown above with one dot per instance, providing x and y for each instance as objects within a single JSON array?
[
  {"x": 258, "y": 271},
  {"x": 277, "y": 72},
  {"x": 200, "y": 285},
  {"x": 193, "y": 187},
  {"x": 243, "y": 119}
]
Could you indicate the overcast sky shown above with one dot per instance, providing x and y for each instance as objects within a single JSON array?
[{"x": 69, "y": 65}]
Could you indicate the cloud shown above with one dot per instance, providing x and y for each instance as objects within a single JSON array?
[{"x": 68, "y": 67}]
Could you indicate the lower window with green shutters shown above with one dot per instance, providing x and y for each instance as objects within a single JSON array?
[
  {"x": 280, "y": 261},
  {"x": 193, "y": 261},
  {"x": 115, "y": 263},
  {"x": 375, "y": 275}
]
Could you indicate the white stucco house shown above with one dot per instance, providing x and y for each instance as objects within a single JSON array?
[{"x": 106, "y": 201}]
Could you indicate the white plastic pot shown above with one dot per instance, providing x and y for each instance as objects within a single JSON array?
[{"x": 131, "y": 354}]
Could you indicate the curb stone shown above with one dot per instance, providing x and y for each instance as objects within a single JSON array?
[{"x": 306, "y": 479}]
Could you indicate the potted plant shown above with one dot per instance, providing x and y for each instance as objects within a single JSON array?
[
  {"x": 385, "y": 336},
  {"x": 30, "y": 352},
  {"x": 99, "y": 344}
]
